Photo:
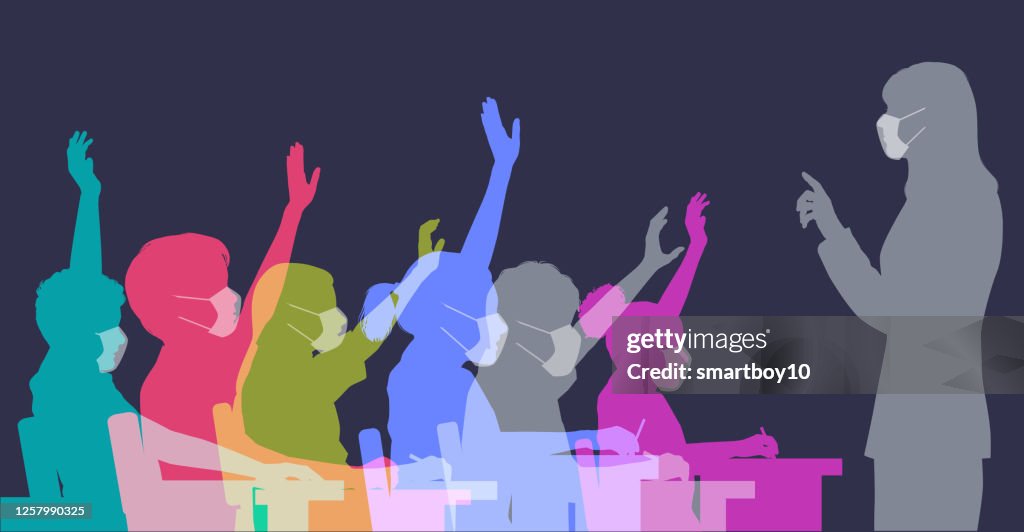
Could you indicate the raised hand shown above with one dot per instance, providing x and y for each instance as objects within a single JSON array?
[
  {"x": 300, "y": 191},
  {"x": 504, "y": 148},
  {"x": 815, "y": 205},
  {"x": 79, "y": 166},
  {"x": 653, "y": 254},
  {"x": 426, "y": 244},
  {"x": 695, "y": 220}
]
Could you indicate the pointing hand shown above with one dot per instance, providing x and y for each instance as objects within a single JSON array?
[{"x": 815, "y": 205}]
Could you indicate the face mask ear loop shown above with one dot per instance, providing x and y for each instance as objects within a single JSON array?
[
  {"x": 188, "y": 320},
  {"x": 534, "y": 327},
  {"x": 539, "y": 359},
  {"x": 450, "y": 335},
  {"x": 294, "y": 328},
  {"x": 193, "y": 298},
  {"x": 303, "y": 310},
  {"x": 521, "y": 346},
  {"x": 912, "y": 114},
  {"x": 300, "y": 332},
  {"x": 919, "y": 131},
  {"x": 183, "y": 318},
  {"x": 915, "y": 135},
  {"x": 457, "y": 311}
]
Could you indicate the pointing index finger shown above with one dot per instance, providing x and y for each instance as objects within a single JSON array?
[{"x": 815, "y": 185}]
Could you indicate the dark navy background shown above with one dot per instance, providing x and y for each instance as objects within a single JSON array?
[{"x": 624, "y": 109}]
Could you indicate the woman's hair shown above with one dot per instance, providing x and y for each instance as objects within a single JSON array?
[{"x": 948, "y": 146}]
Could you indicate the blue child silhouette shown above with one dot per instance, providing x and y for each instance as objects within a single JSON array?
[
  {"x": 66, "y": 443},
  {"x": 453, "y": 317}
]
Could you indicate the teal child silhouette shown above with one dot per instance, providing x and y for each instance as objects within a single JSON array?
[{"x": 66, "y": 443}]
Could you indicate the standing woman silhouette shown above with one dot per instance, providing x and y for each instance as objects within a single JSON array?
[{"x": 929, "y": 431}]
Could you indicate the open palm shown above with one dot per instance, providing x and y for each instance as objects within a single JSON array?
[
  {"x": 79, "y": 166},
  {"x": 504, "y": 148}
]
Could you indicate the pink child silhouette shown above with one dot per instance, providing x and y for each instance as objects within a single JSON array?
[
  {"x": 178, "y": 287},
  {"x": 647, "y": 412}
]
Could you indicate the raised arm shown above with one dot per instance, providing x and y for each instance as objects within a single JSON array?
[
  {"x": 674, "y": 297},
  {"x": 300, "y": 193},
  {"x": 86, "y": 250},
  {"x": 345, "y": 365},
  {"x": 629, "y": 287},
  {"x": 484, "y": 232},
  {"x": 857, "y": 281},
  {"x": 426, "y": 244}
]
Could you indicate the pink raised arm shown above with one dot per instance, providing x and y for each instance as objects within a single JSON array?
[
  {"x": 300, "y": 193},
  {"x": 674, "y": 297}
]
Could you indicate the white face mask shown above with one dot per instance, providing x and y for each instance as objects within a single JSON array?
[
  {"x": 492, "y": 329},
  {"x": 114, "y": 344},
  {"x": 228, "y": 305},
  {"x": 567, "y": 349},
  {"x": 334, "y": 325},
  {"x": 888, "y": 133}
]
